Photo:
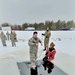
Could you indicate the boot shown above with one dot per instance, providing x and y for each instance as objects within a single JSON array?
[
  {"x": 49, "y": 70},
  {"x": 44, "y": 48},
  {"x": 44, "y": 66}
]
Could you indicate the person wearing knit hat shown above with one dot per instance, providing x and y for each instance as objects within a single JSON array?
[{"x": 49, "y": 56}]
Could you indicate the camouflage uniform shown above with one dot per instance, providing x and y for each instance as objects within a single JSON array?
[
  {"x": 15, "y": 36},
  {"x": 12, "y": 38},
  {"x": 3, "y": 38},
  {"x": 33, "y": 49},
  {"x": 47, "y": 35}
]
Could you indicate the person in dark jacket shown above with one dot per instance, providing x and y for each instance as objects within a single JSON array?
[{"x": 13, "y": 39}]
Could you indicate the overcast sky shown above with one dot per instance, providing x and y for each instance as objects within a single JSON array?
[{"x": 31, "y": 11}]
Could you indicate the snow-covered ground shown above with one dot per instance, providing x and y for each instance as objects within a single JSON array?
[{"x": 64, "y": 44}]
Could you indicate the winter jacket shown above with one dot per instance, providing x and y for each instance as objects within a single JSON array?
[{"x": 50, "y": 54}]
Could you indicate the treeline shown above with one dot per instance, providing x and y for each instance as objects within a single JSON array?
[{"x": 43, "y": 25}]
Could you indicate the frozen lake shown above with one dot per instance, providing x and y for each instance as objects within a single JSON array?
[{"x": 64, "y": 42}]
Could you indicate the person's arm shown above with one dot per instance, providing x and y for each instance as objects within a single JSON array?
[
  {"x": 44, "y": 33},
  {"x": 53, "y": 55},
  {"x": 49, "y": 34},
  {"x": 40, "y": 42}
]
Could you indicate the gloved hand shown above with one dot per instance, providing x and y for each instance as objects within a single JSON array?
[
  {"x": 45, "y": 58},
  {"x": 42, "y": 34}
]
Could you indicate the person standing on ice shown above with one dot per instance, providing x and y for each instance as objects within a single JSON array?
[
  {"x": 15, "y": 36},
  {"x": 3, "y": 38},
  {"x": 7, "y": 35},
  {"x": 12, "y": 38},
  {"x": 47, "y": 35},
  {"x": 33, "y": 43}
]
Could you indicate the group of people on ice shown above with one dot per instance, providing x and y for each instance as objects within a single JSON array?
[
  {"x": 9, "y": 36},
  {"x": 33, "y": 44},
  {"x": 50, "y": 51}
]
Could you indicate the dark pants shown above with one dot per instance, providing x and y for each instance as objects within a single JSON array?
[
  {"x": 34, "y": 71},
  {"x": 47, "y": 64}
]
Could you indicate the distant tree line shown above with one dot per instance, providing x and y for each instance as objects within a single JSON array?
[{"x": 43, "y": 25}]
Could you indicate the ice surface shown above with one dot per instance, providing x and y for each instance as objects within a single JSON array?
[{"x": 64, "y": 43}]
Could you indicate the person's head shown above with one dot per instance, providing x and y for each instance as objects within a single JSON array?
[
  {"x": 52, "y": 44},
  {"x": 35, "y": 34},
  {"x": 47, "y": 28}
]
